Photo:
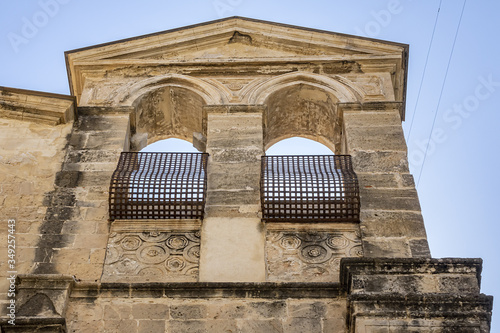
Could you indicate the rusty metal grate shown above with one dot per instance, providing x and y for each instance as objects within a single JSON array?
[
  {"x": 158, "y": 186},
  {"x": 315, "y": 188}
]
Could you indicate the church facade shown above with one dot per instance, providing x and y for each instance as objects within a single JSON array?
[{"x": 109, "y": 239}]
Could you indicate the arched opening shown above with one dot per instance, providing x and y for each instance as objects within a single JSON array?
[
  {"x": 298, "y": 146},
  {"x": 172, "y": 145},
  {"x": 302, "y": 180},
  {"x": 303, "y": 110},
  {"x": 165, "y": 180},
  {"x": 167, "y": 112}
]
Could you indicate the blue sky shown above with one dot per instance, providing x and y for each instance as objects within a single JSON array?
[{"x": 456, "y": 100}]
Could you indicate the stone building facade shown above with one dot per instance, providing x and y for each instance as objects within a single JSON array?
[{"x": 233, "y": 88}]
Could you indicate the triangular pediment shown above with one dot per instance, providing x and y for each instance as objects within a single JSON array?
[
  {"x": 236, "y": 41},
  {"x": 233, "y": 44},
  {"x": 216, "y": 50},
  {"x": 235, "y": 37}
]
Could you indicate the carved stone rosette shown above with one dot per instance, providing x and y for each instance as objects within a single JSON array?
[
  {"x": 314, "y": 256},
  {"x": 152, "y": 256}
]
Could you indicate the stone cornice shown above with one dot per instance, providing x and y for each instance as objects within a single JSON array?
[
  {"x": 271, "y": 290},
  {"x": 35, "y": 106}
]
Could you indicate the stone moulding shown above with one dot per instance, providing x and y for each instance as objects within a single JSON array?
[
  {"x": 423, "y": 313},
  {"x": 155, "y": 225},
  {"x": 424, "y": 294},
  {"x": 199, "y": 290},
  {"x": 35, "y": 106},
  {"x": 423, "y": 306},
  {"x": 29, "y": 325},
  {"x": 445, "y": 304},
  {"x": 371, "y": 107},
  {"x": 351, "y": 268}
]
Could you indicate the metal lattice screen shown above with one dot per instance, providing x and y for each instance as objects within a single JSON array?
[
  {"x": 315, "y": 188},
  {"x": 158, "y": 186}
]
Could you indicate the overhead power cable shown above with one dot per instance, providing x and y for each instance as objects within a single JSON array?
[
  {"x": 423, "y": 74},
  {"x": 441, "y": 93}
]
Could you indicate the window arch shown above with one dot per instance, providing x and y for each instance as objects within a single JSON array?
[
  {"x": 298, "y": 146},
  {"x": 303, "y": 110},
  {"x": 171, "y": 145},
  {"x": 167, "y": 112},
  {"x": 162, "y": 181},
  {"x": 303, "y": 181}
]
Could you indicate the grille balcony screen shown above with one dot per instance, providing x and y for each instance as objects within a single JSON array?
[
  {"x": 158, "y": 186},
  {"x": 319, "y": 188}
]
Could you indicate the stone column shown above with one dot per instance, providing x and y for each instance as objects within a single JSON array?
[
  {"x": 391, "y": 220},
  {"x": 232, "y": 235}
]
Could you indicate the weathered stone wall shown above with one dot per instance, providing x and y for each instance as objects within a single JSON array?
[
  {"x": 31, "y": 154},
  {"x": 373, "y": 295},
  {"x": 178, "y": 315},
  {"x": 75, "y": 229},
  {"x": 391, "y": 220}
]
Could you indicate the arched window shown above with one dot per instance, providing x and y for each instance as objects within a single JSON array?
[
  {"x": 298, "y": 146},
  {"x": 171, "y": 145},
  {"x": 301, "y": 183},
  {"x": 154, "y": 184}
]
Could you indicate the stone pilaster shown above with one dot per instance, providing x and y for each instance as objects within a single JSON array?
[
  {"x": 232, "y": 236},
  {"x": 75, "y": 229},
  {"x": 391, "y": 220}
]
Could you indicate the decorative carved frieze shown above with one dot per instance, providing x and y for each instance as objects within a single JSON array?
[
  {"x": 313, "y": 256},
  {"x": 152, "y": 256}
]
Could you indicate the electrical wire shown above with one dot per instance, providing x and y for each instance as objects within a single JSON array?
[
  {"x": 423, "y": 74},
  {"x": 441, "y": 93}
]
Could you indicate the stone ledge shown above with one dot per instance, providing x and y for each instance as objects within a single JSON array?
[
  {"x": 372, "y": 107},
  {"x": 207, "y": 290},
  {"x": 34, "y": 324},
  {"x": 410, "y": 265},
  {"x": 235, "y": 108},
  {"x": 45, "y": 281},
  {"x": 312, "y": 226},
  {"x": 155, "y": 225},
  {"x": 36, "y": 106},
  {"x": 422, "y": 306},
  {"x": 355, "y": 271},
  {"x": 104, "y": 110}
]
